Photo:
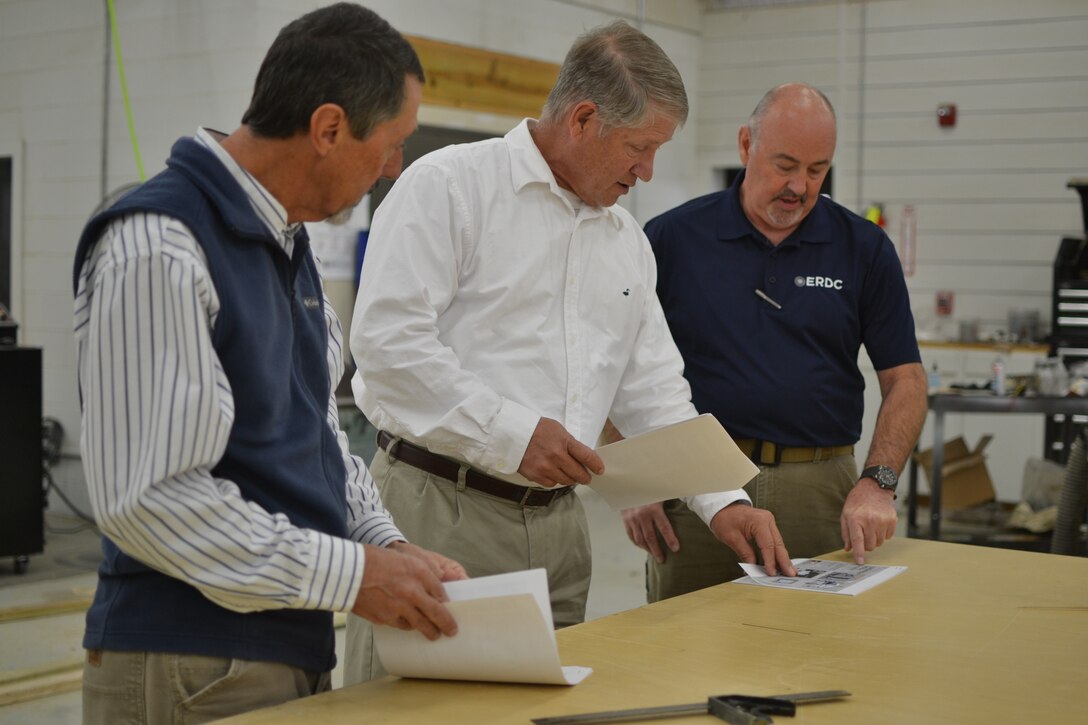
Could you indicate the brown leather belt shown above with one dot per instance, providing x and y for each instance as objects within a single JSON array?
[
  {"x": 424, "y": 460},
  {"x": 771, "y": 454}
]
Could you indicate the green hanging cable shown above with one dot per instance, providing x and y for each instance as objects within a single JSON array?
[{"x": 124, "y": 91}]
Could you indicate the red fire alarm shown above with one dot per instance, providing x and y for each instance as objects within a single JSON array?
[
  {"x": 944, "y": 302},
  {"x": 946, "y": 114}
]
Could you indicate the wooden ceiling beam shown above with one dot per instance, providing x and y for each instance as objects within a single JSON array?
[{"x": 480, "y": 80}]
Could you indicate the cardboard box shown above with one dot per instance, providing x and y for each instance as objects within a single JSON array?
[{"x": 965, "y": 481}]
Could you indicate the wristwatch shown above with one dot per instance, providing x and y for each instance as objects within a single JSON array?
[{"x": 883, "y": 475}]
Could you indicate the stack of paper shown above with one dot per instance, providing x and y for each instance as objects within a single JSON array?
[{"x": 504, "y": 634}]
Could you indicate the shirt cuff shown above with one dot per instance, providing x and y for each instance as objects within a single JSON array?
[
  {"x": 706, "y": 505},
  {"x": 334, "y": 576},
  {"x": 377, "y": 530},
  {"x": 512, "y": 429}
]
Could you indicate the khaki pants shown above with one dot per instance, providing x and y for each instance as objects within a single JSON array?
[
  {"x": 806, "y": 500},
  {"x": 487, "y": 535},
  {"x": 159, "y": 688}
]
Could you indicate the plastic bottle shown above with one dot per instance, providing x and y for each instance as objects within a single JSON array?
[
  {"x": 998, "y": 380},
  {"x": 907, "y": 229},
  {"x": 1061, "y": 377},
  {"x": 934, "y": 378}
]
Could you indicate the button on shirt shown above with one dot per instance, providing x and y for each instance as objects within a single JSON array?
[
  {"x": 487, "y": 300},
  {"x": 240, "y": 556}
]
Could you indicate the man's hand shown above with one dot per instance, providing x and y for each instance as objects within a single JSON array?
[
  {"x": 643, "y": 524},
  {"x": 443, "y": 567},
  {"x": 402, "y": 591},
  {"x": 738, "y": 524},
  {"x": 868, "y": 518},
  {"x": 556, "y": 458}
]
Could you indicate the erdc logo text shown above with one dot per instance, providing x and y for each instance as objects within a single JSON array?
[{"x": 817, "y": 282}]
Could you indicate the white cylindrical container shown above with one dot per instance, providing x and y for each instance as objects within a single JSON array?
[{"x": 998, "y": 368}]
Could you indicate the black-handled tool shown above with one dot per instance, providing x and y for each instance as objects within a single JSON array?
[{"x": 735, "y": 709}]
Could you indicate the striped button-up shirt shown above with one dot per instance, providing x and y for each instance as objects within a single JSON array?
[{"x": 162, "y": 413}]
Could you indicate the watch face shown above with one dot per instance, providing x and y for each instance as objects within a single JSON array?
[{"x": 884, "y": 477}]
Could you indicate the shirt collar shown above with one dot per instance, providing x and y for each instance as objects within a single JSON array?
[
  {"x": 733, "y": 224},
  {"x": 527, "y": 166},
  {"x": 271, "y": 212}
]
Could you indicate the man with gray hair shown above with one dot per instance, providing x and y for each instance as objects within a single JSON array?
[{"x": 506, "y": 310}]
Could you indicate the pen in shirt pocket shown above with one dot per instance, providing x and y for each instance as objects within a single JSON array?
[{"x": 763, "y": 295}]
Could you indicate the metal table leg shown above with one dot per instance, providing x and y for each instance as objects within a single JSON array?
[
  {"x": 938, "y": 463},
  {"x": 912, "y": 494}
]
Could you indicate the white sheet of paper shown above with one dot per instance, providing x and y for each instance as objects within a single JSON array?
[
  {"x": 504, "y": 634},
  {"x": 821, "y": 575},
  {"x": 683, "y": 459}
]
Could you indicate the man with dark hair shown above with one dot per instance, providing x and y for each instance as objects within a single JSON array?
[
  {"x": 234, "y": 518},
  {"x": 343, "y": 54},
  {"x": 506, "y": 309},
  {"x": 770, "y": 290}
]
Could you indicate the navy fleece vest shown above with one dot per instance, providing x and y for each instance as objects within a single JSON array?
[{"x": 271, "y": 338}]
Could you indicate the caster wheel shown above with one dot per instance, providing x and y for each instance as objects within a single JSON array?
[{"x": 21, "y": 563}]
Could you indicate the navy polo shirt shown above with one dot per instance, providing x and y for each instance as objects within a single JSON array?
[{"x": 786, "y": 375}]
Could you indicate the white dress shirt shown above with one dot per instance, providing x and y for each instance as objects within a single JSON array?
[
  {"x": 149, "y": 474},
  {"x": 488, "y": 301}
]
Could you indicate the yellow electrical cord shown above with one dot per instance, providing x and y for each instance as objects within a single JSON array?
[{"x": 124, "y": 91}]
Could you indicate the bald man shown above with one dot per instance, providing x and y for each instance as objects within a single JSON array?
[{"x": 769, "y": 290}]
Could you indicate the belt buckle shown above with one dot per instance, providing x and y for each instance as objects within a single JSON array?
[
  {"x": 547, "y": 495},
  {"x": 757, "y": 453}
]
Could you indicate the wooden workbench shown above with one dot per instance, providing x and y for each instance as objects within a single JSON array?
[{"x": 967, "y": 635}]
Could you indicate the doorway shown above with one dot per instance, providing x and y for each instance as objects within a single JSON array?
[
  {"x": 425, "y": 140},
  {"x": 5, "y": 231}
]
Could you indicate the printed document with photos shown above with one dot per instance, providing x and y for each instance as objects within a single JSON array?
[{"x": 821, "y": 575}]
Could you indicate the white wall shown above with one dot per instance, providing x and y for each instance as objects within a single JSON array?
[
  {"x": 991, "y": 197},
  {"x": 193, "y": 62}
]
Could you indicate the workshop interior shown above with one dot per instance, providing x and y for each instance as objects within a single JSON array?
[{"x": 962, "y": 133}]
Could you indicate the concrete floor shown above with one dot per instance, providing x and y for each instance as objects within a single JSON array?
[
  {"x": 36, "y": 646},
  {"x": 65, "y": 571}
]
